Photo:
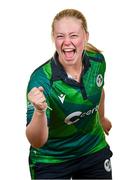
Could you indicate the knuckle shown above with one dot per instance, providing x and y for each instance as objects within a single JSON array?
[{"x": 33, "y": 89}]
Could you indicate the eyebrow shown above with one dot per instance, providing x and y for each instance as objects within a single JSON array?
[{"x": 58, "y": 33}]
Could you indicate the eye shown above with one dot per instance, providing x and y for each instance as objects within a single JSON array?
[
  {"x": 73, "y": 36},
  {"x": 59, "y": 36}
]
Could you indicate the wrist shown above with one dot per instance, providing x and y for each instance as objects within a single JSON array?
[{"x": 40, "y": 111}]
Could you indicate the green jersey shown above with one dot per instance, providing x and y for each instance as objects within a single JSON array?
[{"x": 74, "y": 123}]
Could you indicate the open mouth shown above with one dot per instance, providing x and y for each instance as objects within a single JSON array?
[{"x": 69, "y": 53}]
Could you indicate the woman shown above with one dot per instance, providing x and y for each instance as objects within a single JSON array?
[{"x": 65, "y": 111}]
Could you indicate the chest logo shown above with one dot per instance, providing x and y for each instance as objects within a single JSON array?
[
  {"x": 99, "y": 80},
  {"x": 76, "y": 116},
  {"x": 62, "y": 97}
]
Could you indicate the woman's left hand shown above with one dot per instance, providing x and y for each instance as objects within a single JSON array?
[{"x": 106, "y": 124}]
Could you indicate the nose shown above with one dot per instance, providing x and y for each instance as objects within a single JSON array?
[{"x": 67, "y": 41}]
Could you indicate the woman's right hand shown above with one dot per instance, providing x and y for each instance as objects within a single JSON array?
[{"x": 37, "y": 98}]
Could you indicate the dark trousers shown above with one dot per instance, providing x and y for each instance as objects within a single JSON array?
[{"x": 96, "y": 166}]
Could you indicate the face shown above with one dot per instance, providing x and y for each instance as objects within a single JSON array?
[{"x": 69, "y": 38}]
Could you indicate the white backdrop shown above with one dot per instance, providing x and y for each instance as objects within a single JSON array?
[{"x": 25, "y": 43}]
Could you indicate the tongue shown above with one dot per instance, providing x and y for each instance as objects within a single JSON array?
[{"x": 69, "y": 54}]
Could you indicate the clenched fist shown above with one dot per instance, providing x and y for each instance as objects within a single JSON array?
[{"x": 37, "y": 98}]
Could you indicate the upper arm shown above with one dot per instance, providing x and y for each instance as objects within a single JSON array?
[{"x": 101, "y": 105}]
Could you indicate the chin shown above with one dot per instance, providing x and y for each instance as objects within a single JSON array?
[{"x": 70, "y": 62}]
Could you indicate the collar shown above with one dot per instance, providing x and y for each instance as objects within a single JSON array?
[{"x": 59, "y": 73}]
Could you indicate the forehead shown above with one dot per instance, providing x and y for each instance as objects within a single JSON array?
[{"x": 67, "y": 24}]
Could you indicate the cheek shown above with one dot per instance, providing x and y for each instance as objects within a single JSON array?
[
  {"x": 80, "y": 44},
  {"x": 58, "y": 44}
]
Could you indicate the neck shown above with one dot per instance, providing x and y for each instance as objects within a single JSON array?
[{"x": 74, "y": 72}]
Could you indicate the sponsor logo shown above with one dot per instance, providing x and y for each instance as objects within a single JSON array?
[
  {"x": 75, "y": 116},
  {"x": 107, "y": 165},
  {"x": 62, "y": 97},
  {"x": 99, "y": 80}
]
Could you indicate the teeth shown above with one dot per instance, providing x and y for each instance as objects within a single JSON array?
[{"x": 67, "y": 50}]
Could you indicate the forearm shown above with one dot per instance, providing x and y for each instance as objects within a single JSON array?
[
  {"x": 106, "y": 124},
  {"x": 37, "y": 130}
]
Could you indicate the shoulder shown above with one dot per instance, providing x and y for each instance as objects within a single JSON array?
[
  {"x": 42, "y": 69},
  {"x": 95, "y": 56},
  {"x": 40, "y": 76},
  {"x": 96, "y": 61}
]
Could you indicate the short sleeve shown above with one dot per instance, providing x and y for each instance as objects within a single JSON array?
[
  {"x": 37, "y": 79},
  {"x": 103, "y": 67}
]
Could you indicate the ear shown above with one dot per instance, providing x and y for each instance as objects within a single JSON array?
[
  {"x": 87, "y": 36},
  {"x": 52, "y": 37}
]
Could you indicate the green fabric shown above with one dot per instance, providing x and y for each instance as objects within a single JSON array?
[{"x": 74, "y": 124}]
